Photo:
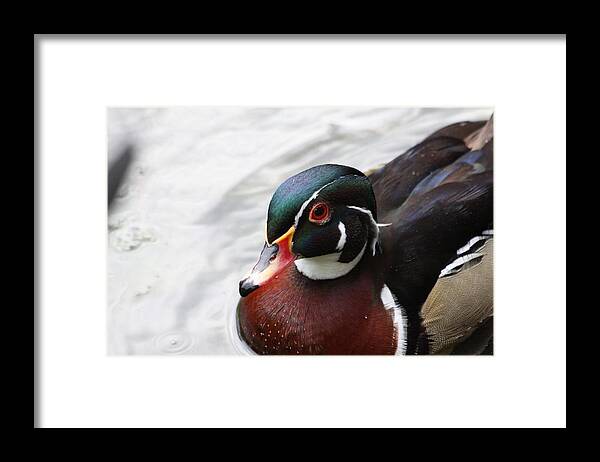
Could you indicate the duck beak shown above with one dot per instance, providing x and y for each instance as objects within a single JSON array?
[{"x": 273, "y": 259}]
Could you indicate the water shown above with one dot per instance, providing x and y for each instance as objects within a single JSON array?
[{"x": 188, "y": 222}]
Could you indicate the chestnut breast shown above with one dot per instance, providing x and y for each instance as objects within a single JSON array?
[{"x": 296, "y": 315}]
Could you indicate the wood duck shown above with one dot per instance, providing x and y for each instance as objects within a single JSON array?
[{"x": 395, "y": 261}]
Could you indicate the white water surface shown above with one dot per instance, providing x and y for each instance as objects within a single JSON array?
[{"x": 188, "y": 221}]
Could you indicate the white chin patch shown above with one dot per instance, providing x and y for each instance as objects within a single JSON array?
[{"x": 326, "y": 266}]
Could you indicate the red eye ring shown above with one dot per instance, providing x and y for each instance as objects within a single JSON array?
[{"x": 320, "y": 213}]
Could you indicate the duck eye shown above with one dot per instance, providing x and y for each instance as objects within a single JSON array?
[{"x": 320, "y": 213}]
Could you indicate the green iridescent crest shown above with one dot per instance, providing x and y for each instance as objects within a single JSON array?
[{"x": 338, "y": 184}]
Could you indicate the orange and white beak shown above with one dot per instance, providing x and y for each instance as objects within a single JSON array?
[{"x": 273, "y": 259}]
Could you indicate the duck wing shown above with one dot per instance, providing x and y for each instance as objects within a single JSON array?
[
  {"x": 393, "y": 183},
  {"x": 449, "y": 206},
  {"x": 428, "y": 229}
]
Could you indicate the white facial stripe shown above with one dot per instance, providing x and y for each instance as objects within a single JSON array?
[
  {"x": 374, "y": 226},
  {"x": 306, "y": 202},
  {"x": 342, "y": 242},
  {"x": 390, "y": 303},
  {"x": 367, "y": 211},
  {"x": 326, "y": 266}
]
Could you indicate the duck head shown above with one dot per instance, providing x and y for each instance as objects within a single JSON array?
[{"x": 322, "y": 220}]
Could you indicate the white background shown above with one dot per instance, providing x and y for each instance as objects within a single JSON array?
[{"x": 523, "y": 384}]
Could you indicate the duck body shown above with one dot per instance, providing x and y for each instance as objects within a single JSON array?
[
  {"x": 272, "y": 324},
  {"x": 383, "y": 263}
]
